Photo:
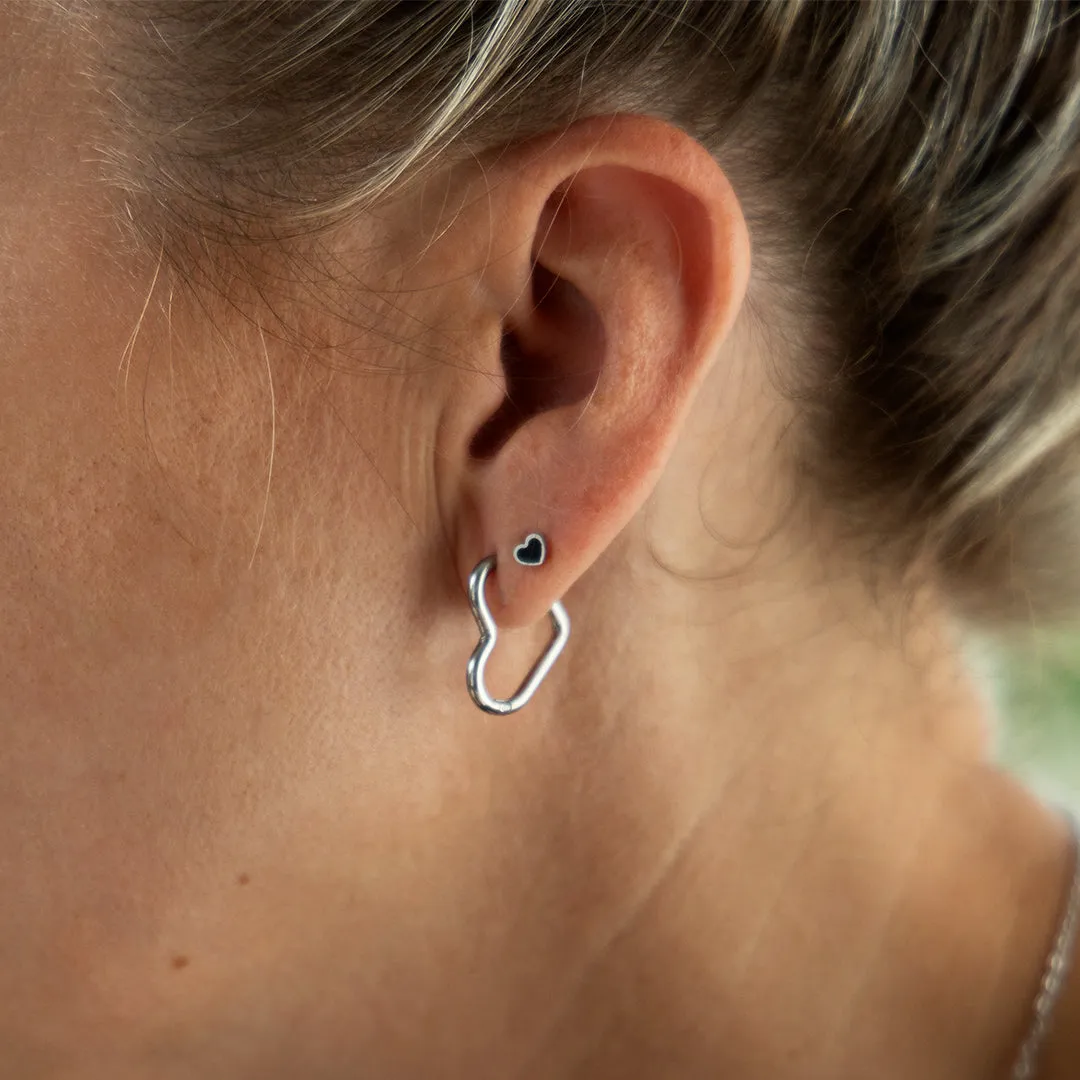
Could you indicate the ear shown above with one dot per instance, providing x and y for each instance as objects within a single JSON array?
[{"x": 625, "y": 258}]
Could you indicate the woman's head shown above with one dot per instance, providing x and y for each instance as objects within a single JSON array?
[{"x": 306, "y": 309}]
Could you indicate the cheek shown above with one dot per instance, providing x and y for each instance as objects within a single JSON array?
[{"x": 99, "y": 531}]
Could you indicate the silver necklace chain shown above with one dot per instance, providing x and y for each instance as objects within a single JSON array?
[{"x": 1056, "y": 972}]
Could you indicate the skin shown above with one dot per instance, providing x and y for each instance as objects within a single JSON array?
[{"x": 251, "y": 824}]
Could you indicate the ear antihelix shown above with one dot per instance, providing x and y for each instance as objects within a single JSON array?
[{"x": 532, "y": 551}]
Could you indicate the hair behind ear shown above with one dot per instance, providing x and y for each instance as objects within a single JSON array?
[{"x": 909, "y": 168}]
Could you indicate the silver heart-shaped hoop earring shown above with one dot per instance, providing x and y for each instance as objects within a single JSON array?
[{"x": 532, "y": 551}]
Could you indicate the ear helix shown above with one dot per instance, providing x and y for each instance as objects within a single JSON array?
[{"x": 532, "y": 551}]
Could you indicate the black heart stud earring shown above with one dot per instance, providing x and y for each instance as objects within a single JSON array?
[{"x": 532, "y": 551}]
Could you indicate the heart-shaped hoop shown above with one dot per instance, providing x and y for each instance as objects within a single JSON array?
[{"x": 489, "y": 634}]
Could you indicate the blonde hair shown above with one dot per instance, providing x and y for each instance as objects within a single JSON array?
[{"x": 908, "y": 170}]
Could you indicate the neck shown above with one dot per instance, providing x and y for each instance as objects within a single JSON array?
[{"x": 837, "y": 873}]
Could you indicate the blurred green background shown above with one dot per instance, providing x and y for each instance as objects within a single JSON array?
[{"x": 1038, "y": 695}]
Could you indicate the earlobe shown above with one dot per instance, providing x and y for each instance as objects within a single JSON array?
[{"x": 633, "y": 272}]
